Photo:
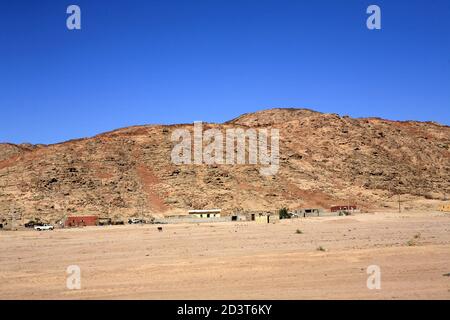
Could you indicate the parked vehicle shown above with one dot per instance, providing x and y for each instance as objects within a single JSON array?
[
  {"x": 32, "y": 224},
  {"x": 104, "y": 221},
  {"x": 135, "y": 221},
  {"x": 44, "y": 227}
]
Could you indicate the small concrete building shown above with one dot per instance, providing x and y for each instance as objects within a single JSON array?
[
  {"x": 343, "y": 208},
  {"x": 265, "y": 217},
  {"x": 310, "y": 212},
  {"x": 238, "y": 217},
  {"x": 211, "y": 213}
]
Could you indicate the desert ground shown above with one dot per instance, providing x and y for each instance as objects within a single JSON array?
[{"x": 235, "y": 260}]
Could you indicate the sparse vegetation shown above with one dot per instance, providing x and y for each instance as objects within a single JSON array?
[
  {"x": 413, "y": 241},
  {"x": 353, "y": 254},
  {"x": 284, "y": 214}
]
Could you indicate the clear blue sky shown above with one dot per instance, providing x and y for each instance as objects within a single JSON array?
[{"x": 141, "y": 62}]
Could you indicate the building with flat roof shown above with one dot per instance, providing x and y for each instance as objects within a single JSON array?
[
  {"x": 208, "y": 213},
  {"x": 81, "y": 221},
  {"x": 264, "y": 217},
  {"x": 343, "y": 208},
  {"x": 308, "y": 212}
]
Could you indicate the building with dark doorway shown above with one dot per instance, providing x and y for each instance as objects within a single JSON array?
[
  {"x": 343, "y": 208},
  {"x": 81, "y": 221}
]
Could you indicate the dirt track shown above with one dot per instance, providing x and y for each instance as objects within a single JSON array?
[{"x": 235, "y": 260}]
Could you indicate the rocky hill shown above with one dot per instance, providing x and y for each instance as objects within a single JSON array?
[{"x": 325, "y": 159}]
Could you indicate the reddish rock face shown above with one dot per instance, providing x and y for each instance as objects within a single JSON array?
[{"x": 325, "y": 160}]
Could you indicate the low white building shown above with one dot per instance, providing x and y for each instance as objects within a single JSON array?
[{"x": 211, "y": 213}]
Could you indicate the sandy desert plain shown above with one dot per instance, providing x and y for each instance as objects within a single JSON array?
[{"x": 235, "y": 260}]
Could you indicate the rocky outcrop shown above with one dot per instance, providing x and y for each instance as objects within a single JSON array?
[{"x": 324, "y": 159}]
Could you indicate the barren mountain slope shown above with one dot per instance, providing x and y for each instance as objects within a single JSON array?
[{"x": 324, "y": 159}]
